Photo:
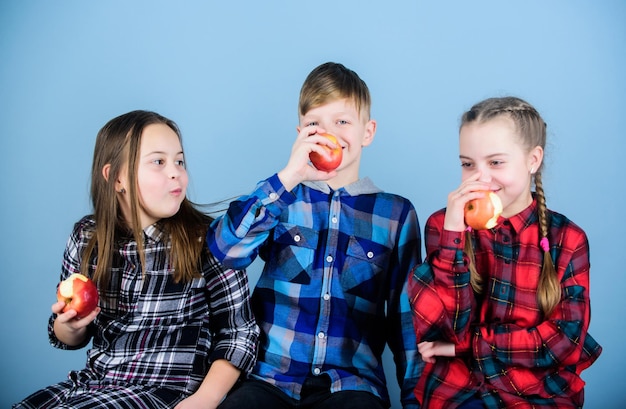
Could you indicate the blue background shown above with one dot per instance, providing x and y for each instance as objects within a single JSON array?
[{"x": 229, "y": 74}]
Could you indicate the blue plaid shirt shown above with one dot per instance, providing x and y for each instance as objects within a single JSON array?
[{"x": 333, "y": 290}]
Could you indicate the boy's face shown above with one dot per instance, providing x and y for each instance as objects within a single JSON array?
[{"x": 353, "y": 132}]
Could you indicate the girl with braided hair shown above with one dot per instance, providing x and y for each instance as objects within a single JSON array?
[{"x": 501, "y": 315}]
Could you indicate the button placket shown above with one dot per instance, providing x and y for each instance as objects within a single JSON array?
[{"x": 326, "y": 296}]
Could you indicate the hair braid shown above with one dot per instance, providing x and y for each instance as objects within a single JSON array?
[
  {"x": 549, "y": 289},
  {"x": 476, "y": 281}
]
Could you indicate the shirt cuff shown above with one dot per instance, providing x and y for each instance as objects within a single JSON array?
[
  {"x": 274, "y": 191},
  {"x": 451, "y": 245}
]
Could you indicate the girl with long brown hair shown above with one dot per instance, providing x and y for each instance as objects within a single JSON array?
[{"x": 173, "y": 327}]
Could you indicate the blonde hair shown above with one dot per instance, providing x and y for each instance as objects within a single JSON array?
[
  {"x": 118, "y": 145},
  {"x": 531, "y": 129},
  {"x": 332, "y": 81}
]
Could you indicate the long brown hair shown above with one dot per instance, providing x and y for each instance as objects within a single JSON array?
[
  {"x": 531, "y": 129},
  {"x": 117, "y": 145}
]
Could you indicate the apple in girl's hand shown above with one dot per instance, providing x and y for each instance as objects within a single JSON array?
[
  {"x": 483, "y": 213},
  {"x": 79, "y": 293},
  {"x": 321, "y": 162}
]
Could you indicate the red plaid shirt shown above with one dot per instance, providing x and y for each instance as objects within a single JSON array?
[{"x": 507, "y": 352}]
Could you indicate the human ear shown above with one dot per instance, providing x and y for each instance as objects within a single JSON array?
[
  {"x": 535, "y": 158},
  {"x": 119, "y": 186},
  {"x": 370, "y": 131},
  {"x": 105, "y": 171}
]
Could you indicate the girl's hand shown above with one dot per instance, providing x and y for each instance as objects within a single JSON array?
[
  {"x": 470, "y": 189},
  {"x": 431, "y": 350},
  {"x": 68, "y": 328},
  {"x": 70, "y": 319},
  {"x": 194, "y": 402},
  {"x": 298, "y": 168}
]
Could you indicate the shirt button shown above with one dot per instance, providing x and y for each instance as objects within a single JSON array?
[
  {"x": 296, "y": 238},
  {"x": 457, "y": 241},
  {"x": 320, "y": 335},
  {"x": 273, "y": 196},
  {"x": 317, "y": 371},
  {"x": 326, "y": 297},
  {"x": 334, "y": 219},
  {"x": 370, "y": 254},
  {"x": 329, "y": 259}
]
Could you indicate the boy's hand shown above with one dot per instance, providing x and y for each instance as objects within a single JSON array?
[
  {"x": 470, "y": 189},
  {"x": 298, "y": 168}
]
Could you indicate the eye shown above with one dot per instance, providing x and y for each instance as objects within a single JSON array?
[
  {"x": 496, "y": 162},
  {"x": 466, "y": 164},
  {"x": 180, "y": 162},
  {"x": 312, "y": 123},
  {"x": 342, "y": 122},
  {"x": 158, "y": 161}
]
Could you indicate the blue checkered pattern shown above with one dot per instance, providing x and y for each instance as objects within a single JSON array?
[{"x": 333, "y": 290}]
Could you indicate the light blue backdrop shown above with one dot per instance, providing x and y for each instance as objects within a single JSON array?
[{"x": 229, "y": 73}]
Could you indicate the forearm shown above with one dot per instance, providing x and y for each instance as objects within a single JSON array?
[
  {"x": 218, "y": 381},
  {"x": 70, "y": 337},
  {"x": 406, "y": 357},
  {"x": 442, "y": 306},
  {"x": 548, "y": 344},
  {"x": 441, "y": 286},
  {"x": 235, "y": 333},
  {"x": 235, "y": 238}
]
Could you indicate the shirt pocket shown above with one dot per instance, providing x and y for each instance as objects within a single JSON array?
[
  {"x": 165, "y": 302},
  {"x": 364, "y": 269},
  {"x": 292, "y": 253}
]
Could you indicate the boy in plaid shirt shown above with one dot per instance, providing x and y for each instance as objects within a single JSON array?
[{"x": 337, "y": 254}]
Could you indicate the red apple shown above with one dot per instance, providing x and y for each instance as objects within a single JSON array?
[
  {"x": 321, "y": 162},
  {"x": 79, "y": 293},
  {"x": 483, "y": 213}
]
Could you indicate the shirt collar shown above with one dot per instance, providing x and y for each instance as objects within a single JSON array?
[
  {"x": 360, "y": 187},
  {"x": 154, "y": 232},
  {"x": 524, "y": 218}
]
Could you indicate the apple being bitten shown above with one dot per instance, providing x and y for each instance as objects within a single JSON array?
[
  {"x": 483, "y": 213},
  {"x": 322, "y": 162},
  {"x": 79, "y": 293}
]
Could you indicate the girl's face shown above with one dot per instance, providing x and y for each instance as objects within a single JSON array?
[
  {"x": 341, "y": 119},
  {"x": 161, "y": 175},
  {"x": 493, "y": 149}
]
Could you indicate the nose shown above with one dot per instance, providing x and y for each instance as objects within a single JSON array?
[
  {"x": 485, "y": 176},
  {"x": 175, "y": 171}
]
